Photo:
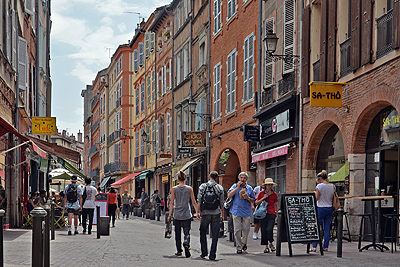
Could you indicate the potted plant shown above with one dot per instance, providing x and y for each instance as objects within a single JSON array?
[
  {"x": 166, "y": 33},
  {"x": 160, "y": 44}
]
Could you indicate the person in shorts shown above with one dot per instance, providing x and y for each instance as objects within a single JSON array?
[{"x": 73, "y": 202}]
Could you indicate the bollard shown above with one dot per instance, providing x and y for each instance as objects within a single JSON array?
[
  {"x": 135, "y": 211},
  {"x": 278, "y": 235},
  {"x": 46, "y": 236},
  {"x": 158, "y": 211},
  {"x": 53, "y": 228},
  {"x": 98, "y": 221},
  {"x": 38, "y": 215},
  {"x": 139, "y": 212},
  {"x": 152, "y": 215},
  {"x": 147, "y": 213},
  {"x": 339, "y": 233},
  {"x": 1, "y": 239}
]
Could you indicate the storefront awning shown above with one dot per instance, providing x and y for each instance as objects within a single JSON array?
[
  {"x": 269, "y": 154},
  {"x": 105, "y": 180},
  {"x": 5, "y": 127},
  {"x": 143, "y": 175},
  {"x": 69, "y": 167},
  {"x": 341, "y": 174},
  {"x": 190, "y": 163},
  {"x": 118, "y": 183}
]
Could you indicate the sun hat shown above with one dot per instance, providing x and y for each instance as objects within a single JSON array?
[{"x": 269, "y": 181}]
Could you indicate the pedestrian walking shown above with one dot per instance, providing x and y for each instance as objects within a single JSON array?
[
  {"x": 182, "y": 214},
  {"x": 144, "y": 197},
  {"x": 257, "y": 222},
  {"x": 210, "y": 199},
  {"x": 324, "y": 195},
  {"x": 112, "y": 205},
  {"x": 88, "y": 205},
  {"x": 241, "y": 210},
  {"x": 73, "y": 202},
  {"x": 267, "y": 224},
  {"x": 126, "y": 201},
  {"x": 118, "y": 210},
  {"x": 155, "y": 198}
]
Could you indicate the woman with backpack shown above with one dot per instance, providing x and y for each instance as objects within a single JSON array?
[
  {"x": 112, "y": 204},
  {"x": 180, "y": 211}
]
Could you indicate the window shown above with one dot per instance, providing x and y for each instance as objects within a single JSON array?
[
  {"x": 248, "y": 48},
  {"x": 116, "y": 152},
  {"x": 178, "y": 68},
  {"x": 288, "y": 40},
  {"x": 137, "y": 143},
  {"x": 202, "y": 54},
  {"x": 185, "y": 124},
  {"x": 185, "y": 61},
  {"x": 137, "y": 100},
  {"x": 142, "y": 96},
  {"x": 153, "y": 84},
  {"x": 141, "y": 54},
  {"x": 168, "y": 123},
  {"x": 269, "y": 62},
  {"x": 153, "y": 129},
  {"x": 157, "y": 130},
  {"x": 178, "y": 127},
  {"x": 170, "y": 74},
  {"x": 135, "y": 60},
  {"x": 217, "y": 16},
  {"x": 200, "y": 109},
  {"x": 148, "y": 84},
  {"x": 217, "y": 92},
  {"x": 231, "y": 8},
  {"x": 149, "y": 137},
  {"x": 178, "y": 19},
  {"x": 231, "y": 82},
  {"x": 142, "y": 143}
]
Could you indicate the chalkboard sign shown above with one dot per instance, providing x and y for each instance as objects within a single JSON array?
[
  {"x": 101, "y": 197},
  {"x": 301, "y": 218}
]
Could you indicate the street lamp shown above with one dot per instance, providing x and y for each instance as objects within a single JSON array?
[
  {"x": 270, "y": 42},
  {"x": 192, "y": 109},
  {"x": 144, "y": 138}
]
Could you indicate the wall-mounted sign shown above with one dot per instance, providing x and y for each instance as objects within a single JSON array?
[
  {"x": 194, "y": 139},
  {"x": 184, "y": 150},
  {"x": 326, "y": 94},
  {"x": 165, "y": 156},
  {"x": 251, "y": 133},
  {"x": 165, "y": 178},
  {"x": 276, "y": 124},
  {"x": 43, "y": 125}
]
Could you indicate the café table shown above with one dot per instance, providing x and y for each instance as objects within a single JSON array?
[{"x": 372, "y": 199}]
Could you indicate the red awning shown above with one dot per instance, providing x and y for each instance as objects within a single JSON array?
[
  {"x": 5, "y": 127},
  {"x": 118, "y": 183}
]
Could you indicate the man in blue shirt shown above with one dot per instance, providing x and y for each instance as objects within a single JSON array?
[{"x": 241, "y": 210}]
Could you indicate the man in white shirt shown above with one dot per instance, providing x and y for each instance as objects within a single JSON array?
[{"x": 88, "y": 204}]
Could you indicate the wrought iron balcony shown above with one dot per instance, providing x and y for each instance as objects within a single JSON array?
[
  {"x": 286, "y": 85},
  {"x": 115, "y": 167},
  {"x": 136, "y": 162},
  {"x": 95, "y": 173},
  {"x": 92, "y": 150},
  {"x": 94, "y": 126},
  {"x": 141, "y": 160},
  {"x": 267, "y": 96},
  {"x": 345, "y": 57},
  {"x": 384, "y": 25},
  {"x": 94, "y": 101},
  {"x": 112, "y": 137}
]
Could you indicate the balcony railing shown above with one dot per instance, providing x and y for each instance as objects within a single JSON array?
[
  {"x": 111, "y": 168},
  {"x": 94, "y": 101},
  {"x": 92, "y": 150},
  {"x": 136, "y": 162},
  {"x": 286, "y": 85},
  {"x": 316, "y": 67},
  {"x": 112, "y": 137},
  {"x": 94, "y": 126},
  {"x": 384, "y": 25},
  {"x": 345, "y": 57},
  {"x": 141, "y": 160},
  {"x": 95, "y": 173},
  {"x": 267, "y": 96}
]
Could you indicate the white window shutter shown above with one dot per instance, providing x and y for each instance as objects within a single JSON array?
[
  {"x": 245, "y": 69},
  {"x": 141, "y": 55},
  {"x": 228, "y": 84},
  {"x": 165, "y": 80},
  {"x": 153, "y": 76},
  {"x": 250, "y": 68},
  {"x": 269, "y": 62},
  {"x": 14, "y": 40},
  {"x": 22, "y": 63},
  {"x": 147, "y": 44},
  {"x": 233, "y": 82},
  {"x": 152, "y": 41},
  {"x": 219, "y": 90},
  {"x": 153, "y": 130},
  {"x": 288, "y": 40},
  {"x": 8, "y": 31},
  {"x": 30, "y": 7},
  {"x": 170, "y": 74},
  {"x": 168, "y": 130},
  {"x": 215, "y": 93},
  {"x": 136, "y": 60},
  {"x": 157, "y": 137}
]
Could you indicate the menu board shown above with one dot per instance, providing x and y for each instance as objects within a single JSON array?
[{"x": 301, "y": 218}]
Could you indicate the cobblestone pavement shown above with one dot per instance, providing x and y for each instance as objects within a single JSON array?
[{"x": 141, "y": 242}]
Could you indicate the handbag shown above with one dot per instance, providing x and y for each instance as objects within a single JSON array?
[
  {"x": 335, "y": 202},
  {"x": 261, "y": 211},
  {"x": 228, "y": 203}
]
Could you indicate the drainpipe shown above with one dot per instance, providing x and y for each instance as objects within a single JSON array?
[
  {"x": 172, "y": 81},
  {"x": 208, "y": 96},
  {"x": 300, "y": 102}
]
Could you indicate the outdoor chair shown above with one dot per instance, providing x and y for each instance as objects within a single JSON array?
[
  {"x": 26, "y": 215},
  {"x": 61, "y": 220}
]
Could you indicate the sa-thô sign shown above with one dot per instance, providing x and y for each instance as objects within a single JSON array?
[
  {"x": 43, "y": 125},
  {"x": 326, "y": 94}
]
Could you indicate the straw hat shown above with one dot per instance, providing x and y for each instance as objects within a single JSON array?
[{"x": 269, "y": 181}]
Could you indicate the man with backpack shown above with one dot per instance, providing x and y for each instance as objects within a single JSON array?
[
  {"x": 210, "y": 199},
  {"x": 73, "y": 202},
  {"x": 88, "y": 205}
]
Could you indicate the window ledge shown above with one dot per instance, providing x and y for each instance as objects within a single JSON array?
[
  {"x": 234, "y": 16},
  {"x": 218, "y": 33}
]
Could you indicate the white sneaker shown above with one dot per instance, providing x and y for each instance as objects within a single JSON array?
[{"x": 255, "y": 236}]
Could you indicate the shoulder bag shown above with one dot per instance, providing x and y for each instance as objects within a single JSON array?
[
  {"x": 335, "y": 202},
  {"x": 261, "y": 211}
]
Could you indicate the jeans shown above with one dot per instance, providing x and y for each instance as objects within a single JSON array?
[
  {"x": 185, "y": 224},
  {"x": 325, "y": 217},
  {"x": 267, "y": 229},
  {"x": 206, "y": 220},
  {"x": 241, "y": 228},
  {"x": 85, "y": 213},
  {"x": 111, "y": 212},
  {"x": 125, "y": 210}
]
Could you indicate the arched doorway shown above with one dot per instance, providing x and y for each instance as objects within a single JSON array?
[{"x": 228, "y": 167}]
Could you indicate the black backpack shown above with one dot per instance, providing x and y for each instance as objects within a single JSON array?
[
  {"x": 72, "y": 193},
  {"x": 210, "y": 199}
]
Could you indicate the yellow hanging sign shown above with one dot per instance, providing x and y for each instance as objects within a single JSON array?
[
  {"x": 326, "y": 94},
  {"x": 43, "y": 125}
]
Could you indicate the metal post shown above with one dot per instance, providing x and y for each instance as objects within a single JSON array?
[
  {"x": 278, "y": 236},
  {"x": 158, "y": 211},
  {"x": 53, "y": 228},
  {"x": 98, "y": 221},
  {"x": 46, "y": 236},
  {"x": 38, "y": 215},
  {"x": 339, "y": 233},
  {"x": 1, "y": 239}
]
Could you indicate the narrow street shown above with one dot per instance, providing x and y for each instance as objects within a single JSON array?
[{"x": 141, "y": 242}]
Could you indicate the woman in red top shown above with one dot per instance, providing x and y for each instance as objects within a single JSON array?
[
  {"x": 112, "y": 205},
  {"x": 267, "y": 224}
]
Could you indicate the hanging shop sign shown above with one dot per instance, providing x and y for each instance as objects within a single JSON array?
[
  {"x": 194, "y": 139},
  {"x": 251, "y": 133},
  {"x": 184, "y": 150},
  {"x": 326, "y": 94},
  {"x": 43, "y": 125},
  {"x": 276, "y": 124},
  {"x": 165, "y": 178},
  {"x": 165, "y": 156}
]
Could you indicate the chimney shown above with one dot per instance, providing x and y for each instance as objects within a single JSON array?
[
  {"x": 64, "y": 132},
  {"x": 79, "y": 136}
]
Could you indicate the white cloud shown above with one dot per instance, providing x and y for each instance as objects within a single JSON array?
[
  {"x": 122, "y": 27},
  {"x": 106, "y": 21},
  {"x": 78, "y": 111},
  {"x": 84, "y": 74}
]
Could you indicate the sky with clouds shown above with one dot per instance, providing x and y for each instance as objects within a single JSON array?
[{"x": 84, "y": 34}]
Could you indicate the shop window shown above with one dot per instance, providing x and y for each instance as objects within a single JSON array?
[{"x": 276, "y": 169}]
